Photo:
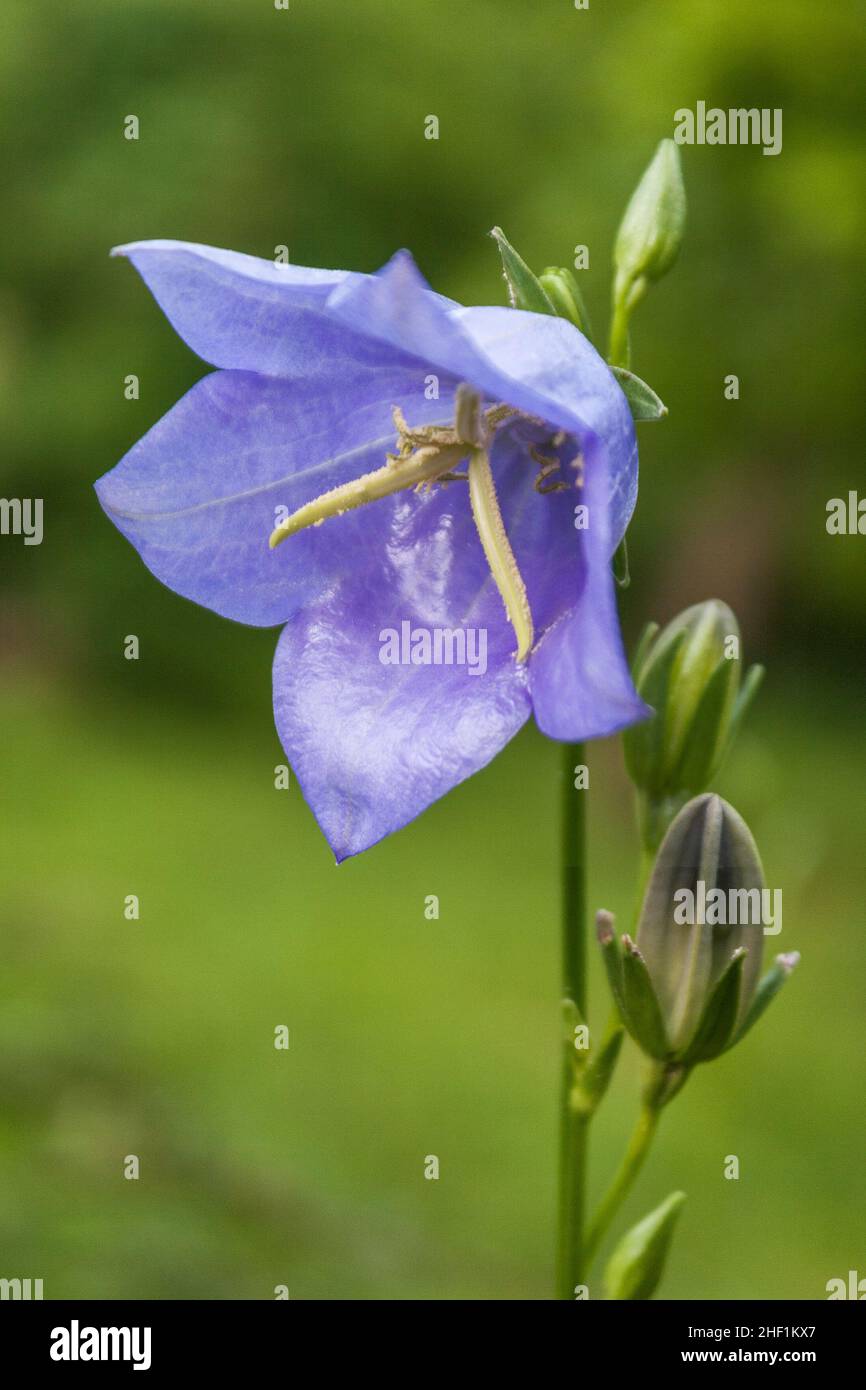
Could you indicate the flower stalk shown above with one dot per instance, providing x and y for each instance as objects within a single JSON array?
[
  {"x": 574, "y": 1120},
  {"x": 626, "y": 1175}
]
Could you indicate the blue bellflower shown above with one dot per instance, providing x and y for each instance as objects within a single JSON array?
[{"x": 412, "y": 462}]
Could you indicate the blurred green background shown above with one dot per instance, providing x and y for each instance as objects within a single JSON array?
[{"x": 305, "y": 1168}]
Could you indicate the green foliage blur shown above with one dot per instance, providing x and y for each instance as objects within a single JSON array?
[{"x": 261, "y": 127}]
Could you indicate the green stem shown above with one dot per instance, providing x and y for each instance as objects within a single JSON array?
[
  {"x": 618, "y": 350},
  {"x": 574, "y": 1125},
  {"x": 626, "y": 298},
  {"x": 573, "y": 879},
  {"x": 632, "y": 1162}
]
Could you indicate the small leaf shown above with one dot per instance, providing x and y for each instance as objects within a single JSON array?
[
  {"x": 637, "y": 1264},
  {"x": 643, "y": 402},
  {"x": 525, "y": 290},
  {"x": 600, "y": 1069}
]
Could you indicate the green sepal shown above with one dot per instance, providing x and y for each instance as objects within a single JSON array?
[
  {"x": 636, "y": 1266},
  {"x": 525, "y": 290},
  {"x": 611, "y": 955},
  {"x": 766, "y": 992},
  {"x": 644, "y": 643},
  {"x": 707, "y": 736},
  {"x": 643, "y": 743},
  {"x": 715, "y": 1029},
  {"x": 642, "y": 1014},
  {"x": 643, "y": 402},
  {"x": 748, "y": 690}
]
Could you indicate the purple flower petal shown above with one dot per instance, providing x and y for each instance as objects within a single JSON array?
[
  {"x": 314, "y": 362},
  {"x": 581, "y": 683},
  {"x": 197, "y": 495},
  {"x": 576, "y": 391},
  {"x": 372, "y": 745},
  {"x": 249, "y": 314},
  {"x": 536, "y": 363}
]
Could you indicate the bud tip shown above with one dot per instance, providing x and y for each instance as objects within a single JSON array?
[{"x": 604, "y": 921}]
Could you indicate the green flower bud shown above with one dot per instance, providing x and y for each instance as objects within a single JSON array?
[
  {"x": 647, "y": 242},
  {"x": 690, "y": 674},
  {"x": 564, "y": 294},
  {"x": 689, "y": 988},
  {"x": 651, "y": 231},
  {"x": 638, "y": 1262}
]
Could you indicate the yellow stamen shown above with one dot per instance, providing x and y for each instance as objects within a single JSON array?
[
  {"x": 500, "y": 556},
  {"x": 421, "y": 466}
]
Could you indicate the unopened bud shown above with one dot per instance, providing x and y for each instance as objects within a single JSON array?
[
  {"x": 690, "y": 674},
  {"x": 651, "y": 231},
  {"x": 637, "y": 1264}
]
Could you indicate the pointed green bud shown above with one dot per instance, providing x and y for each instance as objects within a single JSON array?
[
  {"x": 563, "y": 291},
  {"x": 637, "y": 1264},
  {"x": 651, "y": 231},
  {"x": 647, "y": 242},
  {"x": 701, "y": 928},
  {"x": 525, "y": 290},
  {"x": 690, "y": 674}
]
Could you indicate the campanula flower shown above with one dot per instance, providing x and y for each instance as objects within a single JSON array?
[{"x": 371, "y": 458}]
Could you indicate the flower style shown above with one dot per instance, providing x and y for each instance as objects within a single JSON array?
[{"x": 411, "y": 461}]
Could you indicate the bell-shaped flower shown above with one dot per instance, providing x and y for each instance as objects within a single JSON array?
[{"x": 433, "y": 480}]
